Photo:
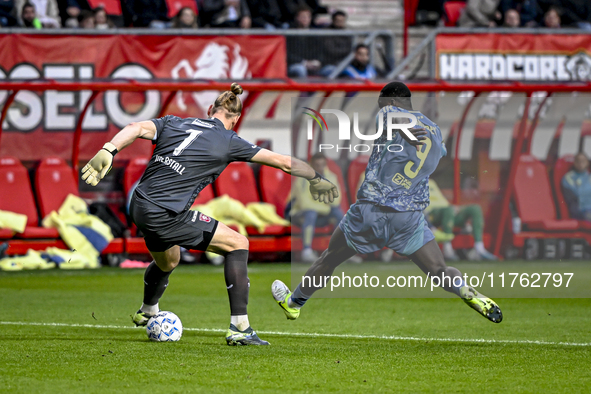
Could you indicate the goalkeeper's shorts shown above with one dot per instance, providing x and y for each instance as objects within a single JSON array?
[{"x": 163, "y": 229}]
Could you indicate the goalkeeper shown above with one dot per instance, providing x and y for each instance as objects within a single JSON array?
[{"x": 189, "y": 155}]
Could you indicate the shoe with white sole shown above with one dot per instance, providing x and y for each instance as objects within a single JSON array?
[{"x": 281, "y": 293}]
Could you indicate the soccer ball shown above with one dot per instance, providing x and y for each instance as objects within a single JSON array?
[{"x": 164, "y": 327}]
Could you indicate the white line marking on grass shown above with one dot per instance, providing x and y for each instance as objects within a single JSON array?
[{"x": 318, "y": 334}]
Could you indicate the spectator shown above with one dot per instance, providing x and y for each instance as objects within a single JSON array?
[
  {"x": 289, "y": 9},
  {"x": 360, "y": 67},
  {"x": 69, "y": 11},
  {"x": 302, "y": 18},
  {"x": 146, "y": 13},
  {"x": 528, "y": 10},
  {"x": 6, "y": 13},
  {"x": 46, "y": 11},
  {"x": 512, "y": 19},
  {"x": 428, "y": 12},
  {"x": 335, "y": 48},
  {"x": 315, "y": 6},
  {"x": 86, "y": 20},
  {"x": 552, "y": 18},
  {"x": 228, "y": 13},
  {"x": 480, "y": 13},
  {"x": 576, "y": 187},
  {"x": 309, "y": 213},
  {"x": 102, "y": 20},
  {"x": 303, "y": 52},
  {"x": 442, "y": 214},
  {"x": 29, "y": 17},
  {"x": 339, "y": 20},
  {"x": 574, "y": 13},
  {"x": 266, "y": 14},
  {"x": 185, "y": 19}
]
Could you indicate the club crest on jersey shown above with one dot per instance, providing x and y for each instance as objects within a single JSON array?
[{"x": 204, "y": 218}]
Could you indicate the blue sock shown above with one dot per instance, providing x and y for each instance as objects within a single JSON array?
[
  {"x": 456, "y": 289},
  {"x": 299, "y": 298}
]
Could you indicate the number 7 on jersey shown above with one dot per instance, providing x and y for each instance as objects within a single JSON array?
[{"x": 193, "y": 135}]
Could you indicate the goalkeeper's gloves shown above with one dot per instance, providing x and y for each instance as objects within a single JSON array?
[
  {"x": 100, "y": 165},
  {"x": 322, "y": 189}
]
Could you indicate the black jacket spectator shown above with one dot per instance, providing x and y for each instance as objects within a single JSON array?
[
  {"x": 265, "y": 13},
  {"x": 338, "y": 47},
  {"x": 316, "y": 7},
  {"x": 6, "y": 13},
  {"x": 143, "y": 12},
  {"x": 574, "y": 12},
  {"x": 289, "y": 9},
  {"x": 215, "y": 13}
]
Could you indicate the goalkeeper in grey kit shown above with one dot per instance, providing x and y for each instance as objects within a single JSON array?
[{"x": 189, "y": 155}]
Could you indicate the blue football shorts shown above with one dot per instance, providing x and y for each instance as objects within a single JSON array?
[{"x": 369, "y": 228}]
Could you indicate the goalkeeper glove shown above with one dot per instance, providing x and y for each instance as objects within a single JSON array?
[
  {"x": 100, "y": 165},
  {"x": 322, "y": 189}
]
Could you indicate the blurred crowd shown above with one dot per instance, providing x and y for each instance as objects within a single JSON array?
[
  {"x": 88, "y": 14},
  {"x": 552, "y": 14}
]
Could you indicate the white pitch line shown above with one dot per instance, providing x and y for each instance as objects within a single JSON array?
[{"x": 319, "y": 335}]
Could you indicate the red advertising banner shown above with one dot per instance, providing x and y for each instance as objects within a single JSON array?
[
  {"x": 41, "y": 124},
  {"x": 516, "y": 57}
]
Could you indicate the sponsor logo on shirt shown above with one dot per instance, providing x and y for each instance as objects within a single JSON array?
[
  {"x": 201, "y": 123},
  {"x": 402, "y": 181},
  {"x": 172, "y": 164},
  {"x": 194, "y": 216},
  {"x": 204, "y": 218}
]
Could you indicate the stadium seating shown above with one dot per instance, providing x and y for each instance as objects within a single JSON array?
[
  {"x": 17, "y": 197},
  {"x": 14, "y": 177},
  {"x": 238, "y": 182},
  {"x": 133, "y": 172},
  {"x": 453, "y": 10},
  {"x": 533, "y": 198},
  {"x": 356, "y": 170},
  {"x": 562, "y": 166},
  {"x": 54, "y": 180},
  {"x": 275, "y": 187}
]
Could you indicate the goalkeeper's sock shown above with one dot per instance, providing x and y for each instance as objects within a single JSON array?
[
  {"x": 150, "y": 309},
  {"x": 240, "y": 322},
  {"x": 155, "y": 282},
  {"x": 237, "y": 282},
  {"x": 297, "y": 299}
]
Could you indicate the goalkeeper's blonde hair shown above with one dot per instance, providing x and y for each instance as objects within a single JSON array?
[{"x": 230, "y": 101}]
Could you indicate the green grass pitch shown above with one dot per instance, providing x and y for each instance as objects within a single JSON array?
[{"x": 433, "y": 344}]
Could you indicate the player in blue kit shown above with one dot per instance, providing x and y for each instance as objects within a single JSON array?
[
  {"x": 190, "y": 154},
  {"x": 389, "y": 212}
]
